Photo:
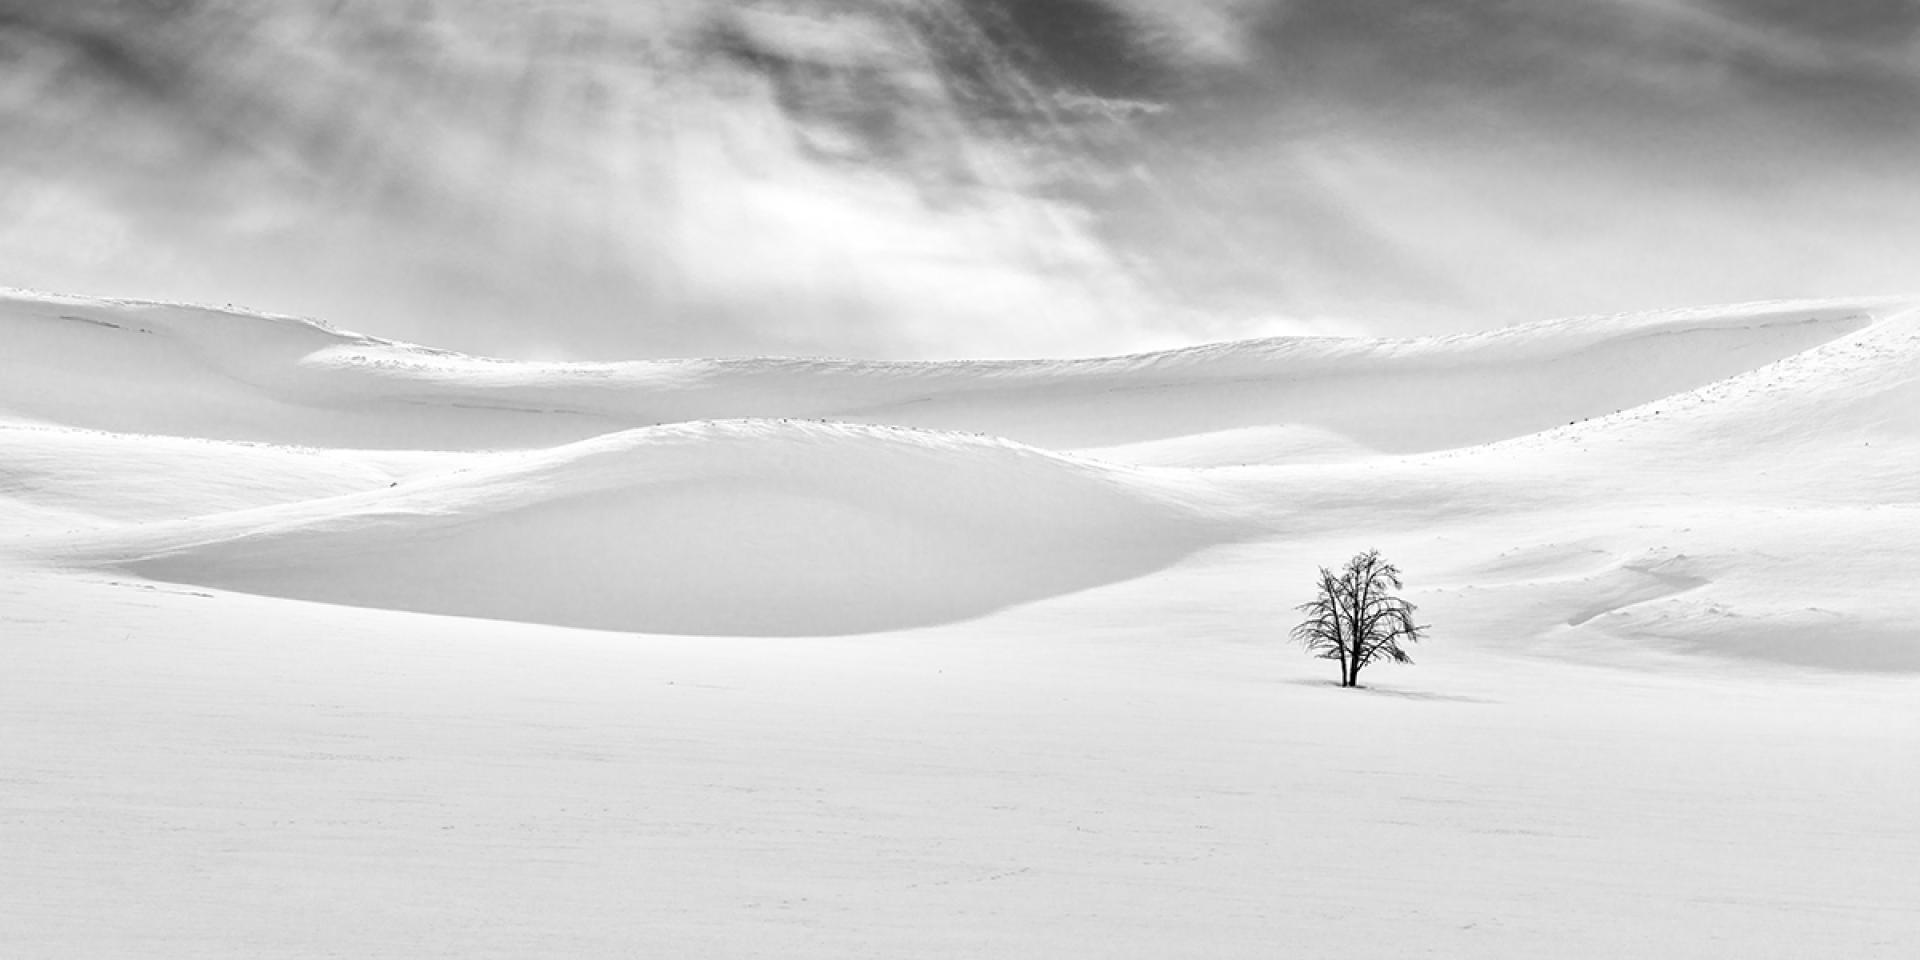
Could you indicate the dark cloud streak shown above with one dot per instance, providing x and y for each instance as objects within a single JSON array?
[
  {"x": 923, "y": 176},
  {"x": 1498, "y": 124}
]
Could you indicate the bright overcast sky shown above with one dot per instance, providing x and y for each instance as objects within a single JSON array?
[{"x": 932, "y": 178}]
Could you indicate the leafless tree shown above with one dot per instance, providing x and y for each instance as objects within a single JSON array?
[{"x": 1356, "y": 619}]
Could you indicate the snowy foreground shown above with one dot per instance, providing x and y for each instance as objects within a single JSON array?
[{"x": 317, "y": 645}]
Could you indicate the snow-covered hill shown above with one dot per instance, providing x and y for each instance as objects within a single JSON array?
[
  {"x": 974, "y": 658},
  {"x": 719, "y": 527},
  {"x": 610, "y": 496},
  {"x": 196, "y": 372}
]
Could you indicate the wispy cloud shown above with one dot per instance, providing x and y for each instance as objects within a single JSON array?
[
  {"x": 1200, "y": 32},
  {"x": 954, "y": 177},
  {"x": 589, "y": 178}
]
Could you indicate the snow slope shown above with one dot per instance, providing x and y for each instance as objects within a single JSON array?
[
  {"x": 188, "y": 371},
  {"x": 318, "y": 644},
  {"x": 838, "y": 528},
  {"x": 730, "y": 527}
]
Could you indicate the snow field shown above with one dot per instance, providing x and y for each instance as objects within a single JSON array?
[{"x": 957, "y": 660}]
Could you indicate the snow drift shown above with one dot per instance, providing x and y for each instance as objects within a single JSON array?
[
  {"x": 1771, "y": 446},
  {"x": 199, "y": 372},
  {"x": 746, "y": 527}
]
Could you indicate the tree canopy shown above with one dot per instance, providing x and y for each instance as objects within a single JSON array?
[{"x": 1355, "y": 617}]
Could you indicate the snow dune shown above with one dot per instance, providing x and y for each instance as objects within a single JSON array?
[
  {"x": 719, "y": 527},
  {"x": 287, "y": 665},
  {"x": 67, "y": 479},
  {"x": 279, "y": 457},
  {"x": 198, "y": 372}
]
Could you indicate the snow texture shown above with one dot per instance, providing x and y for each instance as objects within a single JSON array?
[{"x": 319, "y": 644}]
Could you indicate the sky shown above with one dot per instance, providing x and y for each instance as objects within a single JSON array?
[{"x": 596, "y": 179}]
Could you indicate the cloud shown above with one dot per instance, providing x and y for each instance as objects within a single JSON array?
[
  {"x": 953, "y": 177},
  {"x": 1434, "y": 166},
  {"x": 593, "y": 177},
  {"x": 1857, "y": 47},
  {"x": 1113, "y": 109},
  {"x": 1200, "y": 32}
]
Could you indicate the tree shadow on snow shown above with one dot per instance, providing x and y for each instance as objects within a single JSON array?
[{"x": 1395, "y": 692}]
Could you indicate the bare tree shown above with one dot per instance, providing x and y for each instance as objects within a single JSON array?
[{"x": 1356, "y": 619}]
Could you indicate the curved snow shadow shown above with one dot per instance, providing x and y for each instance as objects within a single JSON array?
[
  {"x": 175, "y": 370},
  {"x": 1751, "y": 601},
  {"x": 737, "y": 528}
]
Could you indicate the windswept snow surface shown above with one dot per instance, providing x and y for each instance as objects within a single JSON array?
[
  {"x": 734, "y": 527},
  {"x": 195, "y": 372},
  {"x": 317, "y": 644}
]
